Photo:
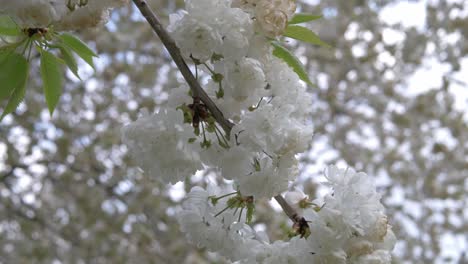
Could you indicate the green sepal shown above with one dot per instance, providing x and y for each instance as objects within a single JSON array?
[
  {"x": 233, "y": 202},
  {"x": 217, "y": 77},
  {"x": 250, "y": 212},
  {"x": 220, "y": 93},
  {"x": 205, "y": 144},
  {"x": 213, "y": 199},
  {"x": 216, "y": 57},
  {"x": 187, "y": 112}
]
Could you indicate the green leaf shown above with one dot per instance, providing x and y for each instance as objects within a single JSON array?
[
  {"x": 304, "y": 34},
  {"x": 8, "y": 27},
  {"x": 51, "y": 79},
  {"x": 80, "y": 48},
  {"x": 303, "y": 17},
  {"x": 293, "y": 62},
  {"x": 70, "y": 61},
  {"x": 13, "y": 72},
  {"x": 16, "y": 98}
]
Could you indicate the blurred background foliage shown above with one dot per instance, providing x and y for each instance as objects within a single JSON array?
[{"x": 391, "y": 100}]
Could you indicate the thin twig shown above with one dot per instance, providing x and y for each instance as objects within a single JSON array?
[
  {"x": 197, "y": 90},
  {"x": 288, "y": 210},
  {"x": 169, "y": 43}
]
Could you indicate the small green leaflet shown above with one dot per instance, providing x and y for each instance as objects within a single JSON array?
[
  {"x": 293, "y": 62},
  {"x": 80, "y": 48},
  {"x": 14, "y": 70},
  {"x": 8, "y": 27},
  {"x": 303, "y": 18},
  {"x": 68, "y": 58},
  {"x": 51, "y": 79},
  {"x": 15, "y": 99},
  {"x": 304, "y": 34}
]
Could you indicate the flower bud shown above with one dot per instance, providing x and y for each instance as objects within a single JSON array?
[{"x": 273, "y": 16}]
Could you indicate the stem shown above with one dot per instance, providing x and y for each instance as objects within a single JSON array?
[
  {"x": 222, "y": 211},
  {"x": 169, "y": 43},
  {"x": 203, "y": 129},
  {"x": 226, "y": 195},
  {"x": 240, "y": 214},
  {"x": 225, "y": 142},
  {"x": 28, "y": 41},
  {"x": 209, "y": 69},
  {"x": 288, "y": 210},
  {"x": 30, "y": 50},
  {"x": 197, "y": 90}
]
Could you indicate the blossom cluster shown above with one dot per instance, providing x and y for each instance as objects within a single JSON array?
[
  {"x": 269, "y": 106},
  {"x": 62, "y": 14},
  {"x": 350, "y": 227},
  {"x": 254, "y": 89},
  {"x": 230, "y": 42}
]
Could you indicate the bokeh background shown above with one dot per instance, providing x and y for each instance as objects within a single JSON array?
[{"x": 391, "y": 100}]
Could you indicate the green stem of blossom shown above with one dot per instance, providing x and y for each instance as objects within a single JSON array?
[
  {"x": 205, "y": 143},
  {"x": 237, "y": 206},
  {"x": 217, "y": 77},
  {"x": 222, "y": 211},
  {"x": 223, "y": 196},
  {"x": 209, "y": 69},
  {"x": 220, "y": 92},
  {"x": 219, "y": 139},
  {"x": 28, "y": 41},
  {"x": 240, "y": 214},
  {"x": 259, "y": 102},
  {"x": 235, "y": 211},
  {"x": 29, "y": 50},
  {"x": 224, "y": 143}
]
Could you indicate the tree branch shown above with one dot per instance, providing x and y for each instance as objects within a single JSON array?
[
  {"x": 288, "y": 210},
  {"x": 169, "y": 43},
  {"x": 197, "y": 90}
]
